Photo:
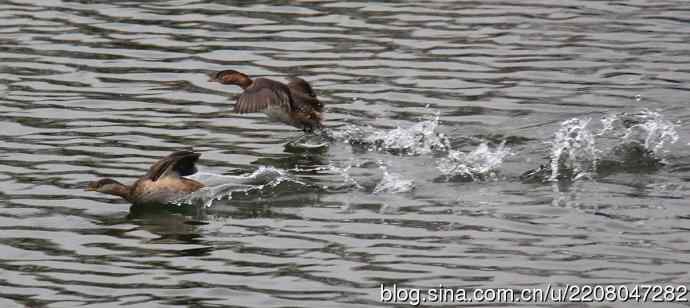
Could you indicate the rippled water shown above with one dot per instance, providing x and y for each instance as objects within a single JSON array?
[{"x": 472, "y": 144}]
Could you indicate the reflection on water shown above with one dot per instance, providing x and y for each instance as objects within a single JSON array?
[{"x": 469, "y": 144}]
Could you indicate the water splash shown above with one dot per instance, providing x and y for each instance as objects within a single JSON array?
[
  {"x": 392, "y": 182},
  {"x": 573, "y": 150},
  {"x": 478, "y": 164},
  {"x": 344, "y": 172},
  {"x": 645, "y": 127},
  {"x": 627, "y": 142},
  {"x": 261, "y": 175},
  {"x": 574, "y": 157},
  {"x": 221, "y": 187},
  {"x": 424, "y": 138},
  {"x": 418, "y": 139}
]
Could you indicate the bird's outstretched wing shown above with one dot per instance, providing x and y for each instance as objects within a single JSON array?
[
  {"x": 262, "y": 94},
  {"x": 303, "y": 95},
  {"x": 297, "y": 84},
  {"x": 177, "y": 164}
]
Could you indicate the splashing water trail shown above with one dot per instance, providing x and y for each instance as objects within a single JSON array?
[
  {"x": 420, "y": 139},
  {"x": 478, "y": 164},
  {"x": 392, "y": 182},
  {"x": 573, "y": 150},
  {"x": 223, "y": 186}
]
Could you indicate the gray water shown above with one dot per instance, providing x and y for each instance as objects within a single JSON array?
[{"x": 441, "y": 115}]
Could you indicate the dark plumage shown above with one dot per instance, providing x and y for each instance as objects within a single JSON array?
[
  {"x": 293, "y": 104},
  {"x": 162, "y": 184}
]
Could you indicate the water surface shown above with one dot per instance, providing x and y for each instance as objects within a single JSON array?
[{"x": 441, "y": 115}]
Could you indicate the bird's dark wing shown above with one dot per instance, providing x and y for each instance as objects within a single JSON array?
[
  {"x": 303, "y": 96},
  {"x": 177, "y": 164},
  {"x": 297, "y": 84},
  {"x": 262, "y": 94}
]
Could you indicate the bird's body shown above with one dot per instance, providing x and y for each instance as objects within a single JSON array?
[
  {"x": 294, "y": 104},
  {"x": 162, "y": 184}
]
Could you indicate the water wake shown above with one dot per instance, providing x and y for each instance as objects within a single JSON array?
[
  {"x": 221, "y": 187},
  {"x": 625, "y": 141}
]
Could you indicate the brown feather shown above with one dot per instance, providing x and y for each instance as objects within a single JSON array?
[
  {"x": 163, "y": 191},
  {"x": 176, "y": 185},
  {"x": 261, "y": 94},
  {"x": 303, "y": 95},
  {"x": 305, "y": 103}
]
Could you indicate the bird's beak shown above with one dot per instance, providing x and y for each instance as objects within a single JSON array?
[{"x": 90, "y": 189}]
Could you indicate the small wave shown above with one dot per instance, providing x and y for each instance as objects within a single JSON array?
[{"x": 479, "y": 164}]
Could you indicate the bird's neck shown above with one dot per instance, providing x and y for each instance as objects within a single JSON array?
[
  {"x": 245, "y": 83},
  {"x": 119, "y": 189}
]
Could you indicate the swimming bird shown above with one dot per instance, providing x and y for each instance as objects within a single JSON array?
[
  {"x": 162, "y": 184},
  {"x": 294, "y": 104}
]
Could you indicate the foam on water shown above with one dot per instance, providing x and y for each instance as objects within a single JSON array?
[{"x": 477, "y": 165}]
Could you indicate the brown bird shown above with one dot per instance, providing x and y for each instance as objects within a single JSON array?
[
  {"x": 162, "y": 184},
  {"x": 293, "y": 104}
]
